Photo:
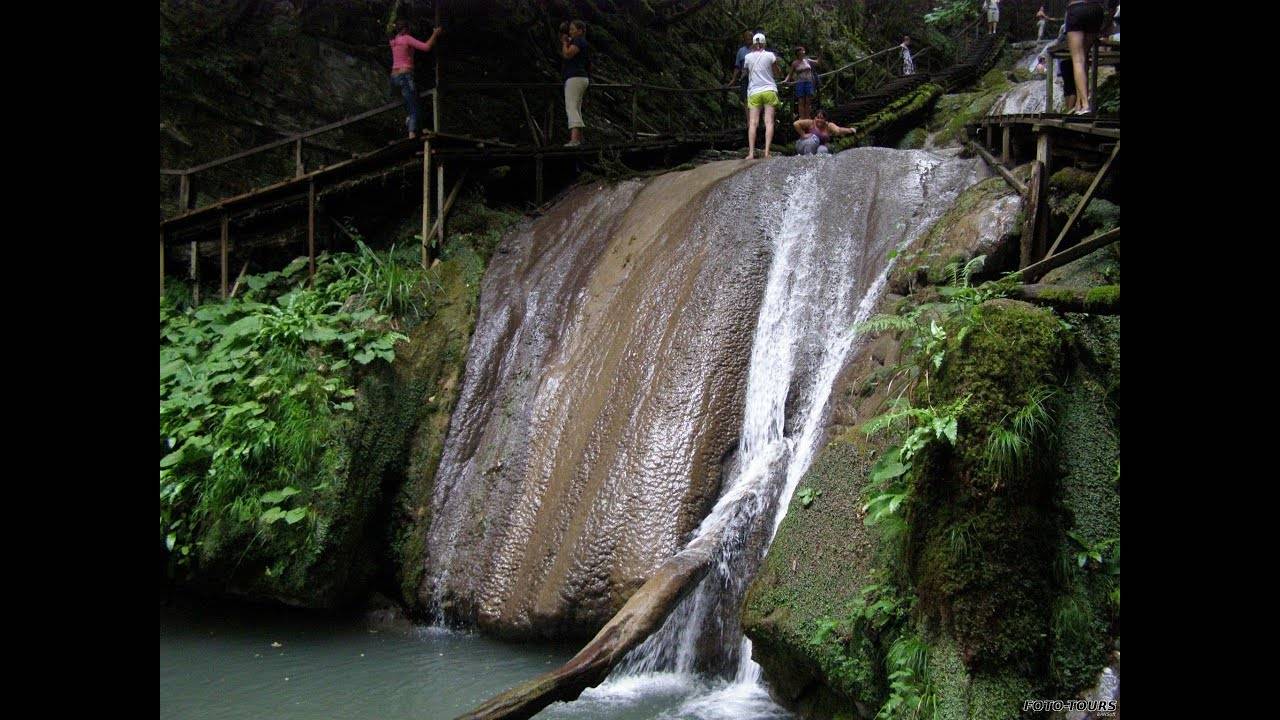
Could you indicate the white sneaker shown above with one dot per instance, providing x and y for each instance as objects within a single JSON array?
[{"x": 573, "y": 143}]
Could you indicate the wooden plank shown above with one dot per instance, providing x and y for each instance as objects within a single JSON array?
[
  {"x": 1033, "y": 206},
  {"x": 448, "y": 203},
  {"x": 311, "y": 231},
  {"x": 426, "y": 200},
  {"x": 161, "y": 263},
  {"x": 222, "y": 253},
  {"x": 195, "y": 273},
  {"x": 440, "y": 205},
  {"x": 1044, "y": 156},
  {"x": 1014, "y": 182},
  {"x": 239, "y": 278},
  {"x": 1036, "y": 271},
  {"x": 298, "y": 170},
  {"x": 1005, "y": 145},
  {"x": 184, "y": 193},
  {"x": 1084, "y": 201}
]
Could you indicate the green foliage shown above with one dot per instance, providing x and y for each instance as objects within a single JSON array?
[
  {"x": 911, "y": 693},
  {"x": 808, "y": 495},
  {"x": 1010, "y": 444},
  {"x": 1093, "y": 555},
  {"x": 952, "y": 13},
  {"x": 251, "y": 391}
]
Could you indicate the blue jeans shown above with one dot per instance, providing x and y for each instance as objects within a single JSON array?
[
  {"x": 404, "y": 81},
  {"x": 811, "y": 145}
]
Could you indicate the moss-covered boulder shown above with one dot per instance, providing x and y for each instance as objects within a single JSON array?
[
  {"x": 983, "y": 220},
  {"x": 820, "y": 559}
]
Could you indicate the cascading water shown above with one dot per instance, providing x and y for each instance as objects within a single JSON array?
[
  {"x": 651, "y": 366},
  {"x": 830, "y": 239}
]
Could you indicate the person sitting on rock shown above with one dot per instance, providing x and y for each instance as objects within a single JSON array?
[{"x": 816, "y": 133}]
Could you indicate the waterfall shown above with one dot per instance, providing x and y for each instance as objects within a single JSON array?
[{"x": 819, "y": 287}]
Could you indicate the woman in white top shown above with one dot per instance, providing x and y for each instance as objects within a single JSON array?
[
  {"x": 993, "y": 15},
  {"x": 762, "y": 92}
]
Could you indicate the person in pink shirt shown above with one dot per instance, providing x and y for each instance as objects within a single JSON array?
[{"x": 402, "y": 46}]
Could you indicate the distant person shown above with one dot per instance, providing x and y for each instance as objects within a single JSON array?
[
  {"x": 762, "y": 92},
  {"x": 402, "y": 46},
  {"x": 993, "y": 15},
  {"x": 1041, "y": 19},
  {"x": 1084, "y": 20},
  {"x": 1115, "y": 26},
  {"x": 577, "y": 68},
  {"x": 739, "y": 74},
  {"x": 806, "y": 80},
  {"x": 816, "y": 133},
  {"x": 908, "y": 62}
]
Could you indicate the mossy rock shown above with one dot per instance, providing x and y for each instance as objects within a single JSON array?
[
  {"x": 1097, "y": 269},
  {"x": 982, "y": 543},
  {"x": 982, "y": 220},
  {"x": 913, "y": 140},
  {"x": 820, "y": 559}
]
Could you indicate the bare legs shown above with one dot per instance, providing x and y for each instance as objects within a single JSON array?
[
  {"x": 1079, "y": 44},
  {"x": 768, "y": 129},
  {"x": 753, "y": 120},
  {"x": 804, "y": 107}
]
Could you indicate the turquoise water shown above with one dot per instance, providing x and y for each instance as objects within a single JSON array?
[{"x": 232, "y": 662}]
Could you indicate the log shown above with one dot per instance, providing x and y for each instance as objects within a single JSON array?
[
  {"x": 1036, "y": 271},
  {"x": 1064, "y": 299},
  {"x": 643, "y": 614}
]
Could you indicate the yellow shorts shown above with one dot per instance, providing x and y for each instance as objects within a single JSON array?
[{"x": 762, "y": 98}]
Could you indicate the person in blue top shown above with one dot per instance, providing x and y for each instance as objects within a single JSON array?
[
  {"x": 577, "y": 68},
  {"x": 738, "y": 69}
]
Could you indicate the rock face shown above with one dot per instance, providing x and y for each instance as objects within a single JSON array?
[
  {"x": 603, "y": 388},
  {"x": 982, "y": 221}
]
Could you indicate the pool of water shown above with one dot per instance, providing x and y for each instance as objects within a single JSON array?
[{"x": 231, "y": 662}]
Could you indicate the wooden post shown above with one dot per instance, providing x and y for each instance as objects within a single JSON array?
[
  {"x": 184, "y": 193},
  {"x": 537, "y": 179},
  {"x": 311, "y": 231},
  {"x": 435, "y": 96},
  {"x": 1032, "y": 207},
  {"x": 161, "y": 263},
  {"x": 1006, "y": 154},
  {"x": 1044, "y": 156},
  {"x": 1051, "y": 67},
  {"x": 528, "y": 116},
  {"x": 1093, "y": 74},
  {"x": 195, "y": 273},
  {"x": 426, "y": 198},
  {"x": 1084, "y": 201},
  {"x": 440, "y": 206},
  {"x": 991, "y": 135},
  {"x": 635, "y": 92},
  {"x": 222, "y": 253},
  {"x": 298, "y": 170}
]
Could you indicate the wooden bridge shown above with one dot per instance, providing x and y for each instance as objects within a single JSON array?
[
  {"x": 1047, "y": 140},
  {"x": 874, "y": 77}
]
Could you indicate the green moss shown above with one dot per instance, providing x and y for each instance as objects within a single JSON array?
[
  {"x": 999, "y": 696},
  {"x": 895, "y": 114},
  {"x": 992, "y": 598},
  {"x": 913, "y": 140},
  {"x": 820, "y": 559},
  {"x": 1103, "y": 296},
  {"x": 1063, "y": 295}
]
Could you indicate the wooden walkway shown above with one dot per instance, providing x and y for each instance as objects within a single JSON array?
[
  {"x": 192, "y": 222},
  {"x": 1047, "y": 140}
]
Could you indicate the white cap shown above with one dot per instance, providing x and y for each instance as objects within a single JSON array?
[{"x": 757, "y": 39}]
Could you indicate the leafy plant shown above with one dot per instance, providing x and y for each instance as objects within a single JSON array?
[
  {"x": 1009, "y": 444},
  {"x": 911, "y": 693},
  {"x": 252, "y": 391},
  {"x": 1094, "y": 553},
  {"x": 808, "y": 495}
]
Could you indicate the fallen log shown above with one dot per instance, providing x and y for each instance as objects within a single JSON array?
[
  {"x": 642, "y": 614},
  {"x": 1102, "y": 300}
]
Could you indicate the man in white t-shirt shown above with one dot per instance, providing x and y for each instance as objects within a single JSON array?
[{"x": 762, "y": 92}]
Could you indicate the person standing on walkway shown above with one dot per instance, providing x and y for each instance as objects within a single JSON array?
[
  {"x": 577, "y": 70},
  {"x": 1084, "y": 20},
  {"x": 740, "y": 74},
  {"x": 993, "y": 15},
  {"x": 908, "y": 62},
  {"x": 403, "y": 45},
  {"x": 1041, "y": 18},
  {"x": 806, "y": 80},
  {"x": 762, "y": 92}
]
